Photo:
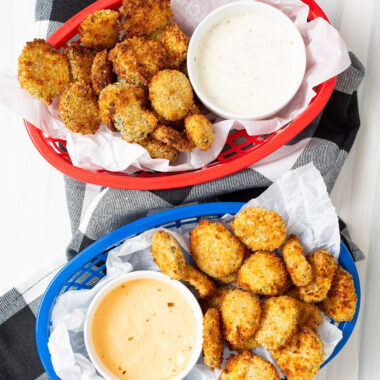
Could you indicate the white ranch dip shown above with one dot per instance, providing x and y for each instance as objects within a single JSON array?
[{"x": 245, "y": 63}]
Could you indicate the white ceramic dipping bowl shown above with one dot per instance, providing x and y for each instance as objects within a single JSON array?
[
  {"x": 283, "y": 31},
  {"x": 139, "y": 275}
]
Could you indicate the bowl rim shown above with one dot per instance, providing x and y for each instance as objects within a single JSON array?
[
  {"x": 201, "y": 29},
  {"x": 139, "y": 275}
]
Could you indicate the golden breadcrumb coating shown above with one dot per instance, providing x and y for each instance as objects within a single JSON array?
[
  {"x": 248, "y": 366},
  {"x": 203, "y": 284},
  {"x": 309, "y": 316},
  {"x": 264, "y": 273},
  {"x": 323, "y": 266},
  {"x": 138, "y": 59},
  {"x": 78, "y": 109},
  {"x": 139, "y": 17},
  {"x": 158, "y": 149},
  {"x": 168, "y": 255},
  {"x": 241, "y": 313},
  {"x": 162, "y": 120},
  {"x": 42, "y": 70},
  {"x": 227, "y": 279},
  {"x": 133, "y": 122},
  {"x": 216, "y": 299},
  {"x": 100, "y": 30},
  {"x": 200, "y": 131},
  {"x": 249, "y": 344},
  {"x": 215, "y": 249},
  {"x": 101, "y": 72},
  {"x": 171, "y": 94},
  {"x": 212, "y": 339},
  {"x": 178, "y": 125},
  {"x": 116, "y": 95},
  {"x": 175, "y": 42},
  {"x": 302, "y": 357},
  {"x": 340, "y": 303},
  {"x": 279, "y": 321},
  {"x": 296, "y": 263},
  {"x": 174, "y": 138},
  {"x": 80, "y": 59},
  {"x": 260, "y": 229}
]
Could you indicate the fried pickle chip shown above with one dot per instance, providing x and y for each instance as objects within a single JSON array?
[
  {"x": 216, "y": 299},
  {"x": 175, "y": 42},
  {"x": 80, "y": 59},
  {"x": 296, "y": 263},
  {"x": 302, "y": 357},
  {"x": 178, "y": 125},
  {"x": 42, "y": 70},
  {"x": 101, "y": 72},
  {"x": 173, "y": 138},
  {"x": 203, "y": 284},
  {"x": 248, "y": 366},
  {"x": 167, "y": 255},
  {"x": 249, "y": 344},
  {"x": 212, "y": 339},
  {"x": 120, "y": 106},
  {"x": 115, "y": 95},
  {"x": 227, "y": 279},
  {"x": 260, "y": 229},
  {"x": 200, "y": 131},
  {"x": 264, "y": 273},
  {"x": 100, "y": 30},
  {"x": 241, "y": 313},
  {"x": 140, "y": 17},
  {"x": 171, "y": 94},
  {"x": 133, "y": 122},
  {"x": 309, "y": 316},
  {"x": 323, "y": 266},
  {"x": 158, "y": 149},
  {"x": 215, "y": 249},
  {"x": 78, "y": 109},
  {"x": 341, "y": 300},
  {"x": 279, "y": 321},
  {"x": 138, "y": 59}
]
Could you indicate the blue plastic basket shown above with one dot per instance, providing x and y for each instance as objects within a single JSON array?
[{"x": 86, "y": 269}]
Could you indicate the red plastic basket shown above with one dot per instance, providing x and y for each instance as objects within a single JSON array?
[{"x": 240, "y": 152}]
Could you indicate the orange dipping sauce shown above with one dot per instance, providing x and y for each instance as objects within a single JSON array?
[{"x": 144, "y": 329}]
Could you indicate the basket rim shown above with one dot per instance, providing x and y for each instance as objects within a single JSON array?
[
  {"x": 138, "y": 226},
  {"x": 174, "y": 180}
]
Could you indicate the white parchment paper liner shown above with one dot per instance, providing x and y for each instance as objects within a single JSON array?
[
  {"x": 327, "y": 56},
  {"x": 300, "y": 196}
]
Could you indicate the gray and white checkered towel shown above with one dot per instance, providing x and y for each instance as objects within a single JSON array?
[{"x": 95, "y": 211}]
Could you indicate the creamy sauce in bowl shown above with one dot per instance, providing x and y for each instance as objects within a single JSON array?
[
  {"x": 246, "y": 61},
  {"x": 144, "y": 329}
]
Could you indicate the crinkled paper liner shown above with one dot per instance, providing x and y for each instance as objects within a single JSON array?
[
  {"x": 327, "y": 56},
  {"x": 300, "y": 196}
]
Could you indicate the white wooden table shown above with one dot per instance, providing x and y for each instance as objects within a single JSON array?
[{"x": 34, "y": 221}]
